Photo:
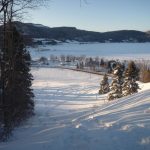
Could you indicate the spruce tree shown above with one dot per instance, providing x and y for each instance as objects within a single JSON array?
[
  {"x": 22, "y": 79},
  {"x": 17, "y": 96},
  {"x": 116, "y": 84},
  {"x": 131, "y": 75},
  {"x": 104, "y": 85}
]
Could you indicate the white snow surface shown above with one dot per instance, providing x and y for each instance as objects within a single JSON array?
[{"x": 70, "y": 115}]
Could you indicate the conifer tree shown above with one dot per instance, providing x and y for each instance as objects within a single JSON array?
[
  {"x": 104, "y": 85},
  {"x": 116, "y": 84},
  {"x": 18, "y": 97},
  {"x": 131, "y": 75}
]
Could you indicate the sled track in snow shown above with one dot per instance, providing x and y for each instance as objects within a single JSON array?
[{"x": 120, "y": 104}]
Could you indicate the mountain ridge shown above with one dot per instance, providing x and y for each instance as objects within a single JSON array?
[{"x": 72, "y": 33}]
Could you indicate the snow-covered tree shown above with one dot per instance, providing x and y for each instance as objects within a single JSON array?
[
  {"x": 131, "y": 75},
  {"x": 116, "y": 85},
  {"x": 104, "y": 85}
]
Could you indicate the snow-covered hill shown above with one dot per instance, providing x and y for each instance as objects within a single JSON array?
[{"x": 70, "y": 115}]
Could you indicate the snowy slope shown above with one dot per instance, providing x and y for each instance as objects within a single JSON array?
[{"x": 71, "y": 116}]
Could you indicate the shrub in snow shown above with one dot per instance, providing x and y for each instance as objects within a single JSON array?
[
  {"x": 104, "y": 85},
  {"x": 44, "y": 60},
  {"x": 145, "y": 75},
  {"x": 145, "y": 71}
]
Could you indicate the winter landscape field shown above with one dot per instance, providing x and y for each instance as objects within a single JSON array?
[
  {"x": 74, "y": 75},
  {"x": 70, "y": 115}
]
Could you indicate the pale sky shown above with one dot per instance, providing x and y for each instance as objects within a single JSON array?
[{"x": 96, "y": 15}]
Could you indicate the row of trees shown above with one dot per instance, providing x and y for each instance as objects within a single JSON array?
[
  {"x": 123, "y": 82},
  {"x": 99, "y": 64}
]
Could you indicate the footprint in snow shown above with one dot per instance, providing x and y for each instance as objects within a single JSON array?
[{"x": 78, "y": 126}]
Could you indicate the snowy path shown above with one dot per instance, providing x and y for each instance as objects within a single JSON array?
[{"x": 71, "y": 116}]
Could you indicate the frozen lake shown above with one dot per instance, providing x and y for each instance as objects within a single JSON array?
[{"x": 108, "y": 50}]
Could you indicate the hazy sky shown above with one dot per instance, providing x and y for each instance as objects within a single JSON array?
[{"x": 96, "y": 15}]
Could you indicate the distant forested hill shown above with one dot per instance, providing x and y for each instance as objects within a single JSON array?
[{"x": 72, "y": 33}]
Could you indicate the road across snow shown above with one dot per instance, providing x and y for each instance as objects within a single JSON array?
[{"x": 70, "y": 115}]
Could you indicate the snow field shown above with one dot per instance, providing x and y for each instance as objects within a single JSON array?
[{"x": 70, "y": 115}]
